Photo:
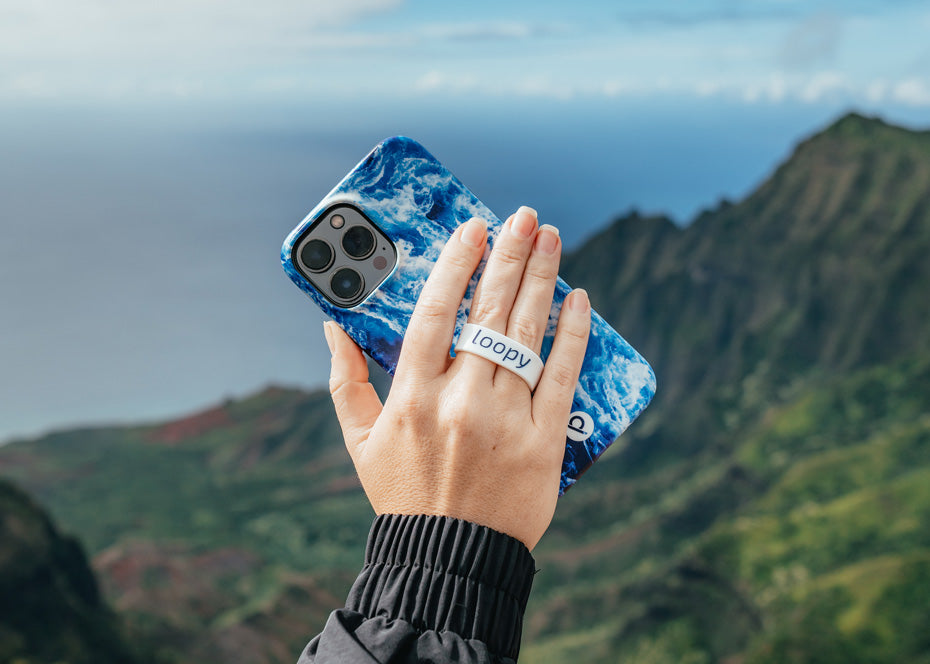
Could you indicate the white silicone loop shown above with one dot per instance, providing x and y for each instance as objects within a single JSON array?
[{"x": 501, "y": 350}]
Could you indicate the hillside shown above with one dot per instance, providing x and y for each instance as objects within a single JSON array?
[
  {"x": 772, "y": 505},
  {"x": 225, "y": 536},
  {"x": 50, "y": 606},
  {"x": 819, "y": 271}
]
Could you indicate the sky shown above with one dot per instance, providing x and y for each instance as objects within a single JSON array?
[
  {"x": 153, "y": 156},
  {"x": 873, "y": 52}
]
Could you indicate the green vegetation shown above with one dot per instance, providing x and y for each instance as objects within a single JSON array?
[
  {"x": 221, "y": 518},
  {"x": 50, "y": 606},
  {"x": 773, "y": 505}
]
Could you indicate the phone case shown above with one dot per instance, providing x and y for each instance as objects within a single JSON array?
[{"x": 405, "y": 191}]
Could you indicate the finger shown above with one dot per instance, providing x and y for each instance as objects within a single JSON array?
[
  {"x": 553, "y": 397},
  {"x": 357, "y": 404},
  {"x": 501, "y": 279},
  {"x": 530, "y": 312},
  {"x": 429, "y": 334}
]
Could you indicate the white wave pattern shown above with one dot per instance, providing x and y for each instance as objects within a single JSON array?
[{"x": 418, "y": 204}]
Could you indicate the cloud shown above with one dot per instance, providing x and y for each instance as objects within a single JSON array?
[
  {"x": 106, "y": 50},
  {"x": 89, "y": 30},
  {"x": 813, "y": 41},
  {"x": 690, "y": 19},
  {"x": 913, "y": 92},
  {"x": 484, "y": 31},
  {"x": 436, "y": 81},
  {"x": 824, "y": 86},
  {"x": 32, "y": 85},
  {"x": 772, "y": 52},
  {"x": 539, "y": 86}
]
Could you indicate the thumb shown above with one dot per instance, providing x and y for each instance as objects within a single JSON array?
[{"x": 357, "y": 403}]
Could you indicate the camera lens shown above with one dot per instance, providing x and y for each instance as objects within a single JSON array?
[
  {"x": 316, "y": 255},
  {"x": 346, "y": 283},
  {"x": 358, "y": 242}
]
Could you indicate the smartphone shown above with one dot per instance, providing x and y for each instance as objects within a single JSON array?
[{"x": 365, "y": 251}]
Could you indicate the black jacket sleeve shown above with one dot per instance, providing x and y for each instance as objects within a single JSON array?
[{"x": 433, "y": 589}]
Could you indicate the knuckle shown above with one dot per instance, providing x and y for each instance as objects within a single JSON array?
[
  {"x": 458, "y": 422},
  {"x": 541, "y": 271},
  {"x": 340, "y": 392},
  {"x": 336, "y": 385},
  {"x": 573, "y": 329},
  {"x": 488, "y": 308},
  {"x": 406, "y": 398},
  {"x": 508, "y": 256},
  {"x": 562, "y": 375},
  {"x": 460, "y": 261},
  {"x": 406, "y": 409},
  {"x": 523, "y": 327},
  {"x": 343, "y": 391},
  {"x": 430, "y": 310},
  {"x": 576, "y": 334},
  {"x": 407, "y": 413}
]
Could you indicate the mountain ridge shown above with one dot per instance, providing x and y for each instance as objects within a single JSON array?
[{"x": 742, "y": 258}]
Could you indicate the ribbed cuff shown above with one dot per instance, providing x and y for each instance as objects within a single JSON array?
[{"x": 444, "y": 574}]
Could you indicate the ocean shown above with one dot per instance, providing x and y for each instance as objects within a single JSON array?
[{"x": 139, "y": 269}]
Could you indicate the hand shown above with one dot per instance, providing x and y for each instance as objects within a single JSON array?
[{"x": 464, "y": 437}]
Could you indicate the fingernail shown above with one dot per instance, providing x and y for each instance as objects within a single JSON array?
[
  {"x": 474, "y": 232},
  {"x": 578, "y": 300},
  {"x": 524, "y": 222},
  {"x": 547, "y": 239},
  {"x": 328, "y": 333}
]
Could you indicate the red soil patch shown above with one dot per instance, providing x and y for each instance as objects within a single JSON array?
[{"x": 173, "y": 433}]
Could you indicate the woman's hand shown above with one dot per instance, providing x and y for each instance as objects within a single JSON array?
[{"x": 464, "y": 437}]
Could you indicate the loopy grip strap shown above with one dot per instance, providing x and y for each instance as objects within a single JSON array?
[{"x": 501, "y": 350}]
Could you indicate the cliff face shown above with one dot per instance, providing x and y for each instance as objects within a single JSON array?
[
  {"x": 820, "y": 271},
  {"x": 50, "y": 606}
]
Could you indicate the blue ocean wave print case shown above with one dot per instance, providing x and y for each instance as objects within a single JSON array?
[{"x": 418, "y": 203}]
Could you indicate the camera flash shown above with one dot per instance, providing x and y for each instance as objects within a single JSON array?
[{"x": 337, "y": 221}]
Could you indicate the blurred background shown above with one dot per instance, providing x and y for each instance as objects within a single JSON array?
[
  {"x": 743, "y": 187},
  {"x": 154, "y": 156}
]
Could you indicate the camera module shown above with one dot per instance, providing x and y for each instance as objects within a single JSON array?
[{"x": 343, "y": 255}]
